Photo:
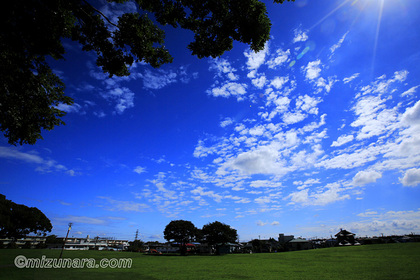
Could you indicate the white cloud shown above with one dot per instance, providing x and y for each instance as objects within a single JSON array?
[
  {"x": 265, "y": 184},
  {"x": 312, "y": 70},
  {"x": 300, "y": 36},
  {"x": 199, "y": 191},
  {"x": 400, "y": 76},
  {"x": 275, "y": 223},
  {"x": 411, "y": 115},
  {"x": 71, "y": 172},
  {"x": 373, "y": 117},
  {"x": 278, "y": 82},
  {"x": 139, "y": 170},
  {"x": 74, "y": 108},
  {"x": 229, "y": 89},
  {"x": 160, "y": 186},
  {"x": 411, "y": 177},
  {"x": 123, "y": 96},
  {"x": 351, "y": 159},
  {"x": 264, "y": 160},
  {"x": 223, "y": 67},
  {"x": 256, "y": 59},
  {"x": 159, "y": 79},
  {"x": 202, "y": 151},
  {"x": 81, "y": 220},
  {"x": 343, "y": 139},
  {"x": 329, "y": 194},
  {"x": 226, "y": 122},
  {"x": 410, "y": 91},
  {"x": 280, "y": 58},
  {"x": 336, "y": 46},
  {"x": 43, "y": 165},
  {"x": 260, "y": 81},
  {"x": 351, "y": 78},
  {"x": 292, "y": 118},
  {"x": 366, "y": 177},
  {"x": 308, "y": 104},
  {"x": 261, "y": 223},
  {"x": 376, "y": 223},
  {"x": 321, "y": 83},
  {"x": 126, "y": 206}
]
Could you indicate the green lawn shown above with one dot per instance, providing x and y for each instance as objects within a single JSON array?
[{"x": 391, "y": 261}]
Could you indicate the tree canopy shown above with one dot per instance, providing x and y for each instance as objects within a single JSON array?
[
  {"x": 217, "y": 232},
  {"x": 17, "y": 220},
  {"x": 136, "y": 246},
  {"x": 32, "y": 31},
  {"x": 180, "y": 231}
]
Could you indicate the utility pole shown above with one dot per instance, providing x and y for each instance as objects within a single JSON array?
[{"x": 64, "y": 244}]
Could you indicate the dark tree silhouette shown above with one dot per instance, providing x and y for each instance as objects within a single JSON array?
[
  {"x": 181, "y": 232},
  {"x": 17, "y": 220},
  {"x": 218, "y": 233}
]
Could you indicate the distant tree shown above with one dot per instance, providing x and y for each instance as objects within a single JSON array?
[
  {"x": 52, "y": 239},
  {"x": 136, "y": 246},
  {"x": 17, "y": 220},
  {"x": 257, "y": 245},
  {"x": 32, "y": 31},
  {"x": 181, "y": 232},
  {"x": 217, "y": 232}
]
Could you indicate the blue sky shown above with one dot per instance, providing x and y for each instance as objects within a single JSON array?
[{"x": 317, "y": 132}]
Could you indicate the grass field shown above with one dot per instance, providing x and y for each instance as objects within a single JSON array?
[{"x": 390, "y": 261}]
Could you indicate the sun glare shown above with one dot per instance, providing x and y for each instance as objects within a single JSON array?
[{"x": 375, "y": 9}]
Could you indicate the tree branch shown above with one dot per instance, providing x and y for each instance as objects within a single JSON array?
[{"x": 99, "y": 12}]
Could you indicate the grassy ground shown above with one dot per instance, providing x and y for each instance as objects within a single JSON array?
[{"x": 391, "y": 261}]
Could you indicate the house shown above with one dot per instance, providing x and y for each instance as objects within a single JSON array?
[
  {"x": 346, "y": 238},
  {"x": 228, "y": 248},
  {"x": 298, "y": 244},
  {"x": 283, "y": 240}
]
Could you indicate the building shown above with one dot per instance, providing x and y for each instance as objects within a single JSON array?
[
  {"x": 283, "y": 239},
  {"x": 97, "y": 243},
  {"x": 346, "y": 238},
  {"x": 298, "y": 244},
  {"x": 25, "y": 242}
]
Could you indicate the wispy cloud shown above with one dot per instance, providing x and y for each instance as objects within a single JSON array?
[
  {"x": 343, "y": 139},
  {"x": 125, "y": 206},
  {"x": 81, "y": 220},
  {"x": 351, "y": 78},
  {"x": 339, "y": 43},
  {"x": 44, "y": 165},
  {"x": 410, "y": 91},
  {"x": 139, "y": 170}
]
